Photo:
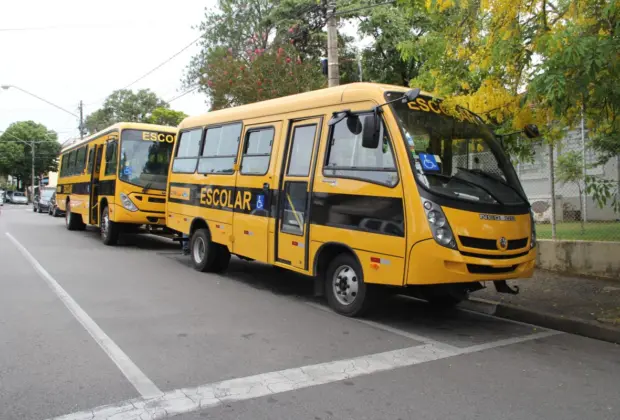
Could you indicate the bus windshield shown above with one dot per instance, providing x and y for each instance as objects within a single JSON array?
[
  {"x": 457, "y": 156},
  {"x": 145, "y": 157}
]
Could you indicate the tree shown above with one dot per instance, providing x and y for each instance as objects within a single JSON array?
[
  {"x": 16, "y": 157},
  {"x": 570, "y": 170},
  {"x": 165, "y": 116},
  {"x": 389, "y": 28},
  {"x": 269, "y": 74},
  {"x": 523, "y": 61},
  {"x": 125, "y": 105},
  {"x": 258, "y": 49}
]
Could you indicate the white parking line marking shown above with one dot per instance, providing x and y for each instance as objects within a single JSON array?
[
  {"x": 387, "y": 328},
  {"x": 186, "y": 400},
  {"x": 138, "y": 379}
]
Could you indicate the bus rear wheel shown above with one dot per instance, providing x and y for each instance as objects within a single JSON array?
[
  {"x": 109, "y": 229},
  {"x": 73, "y": 221},
  {"x": 203, "y": 252},
  {"x": 346, "y": 291}
]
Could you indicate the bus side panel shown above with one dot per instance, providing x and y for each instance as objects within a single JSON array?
[{"x": 386, "y": 265}]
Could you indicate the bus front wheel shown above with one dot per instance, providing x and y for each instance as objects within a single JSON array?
[
  {"x": 346, "y": 291},
  {"x": 109, "y": 229}
]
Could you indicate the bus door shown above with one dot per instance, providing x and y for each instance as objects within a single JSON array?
[
  {"x": 253, "y": 192},
  {"x": 94, "y": 166},
  {"x": 292, "y": 240}
]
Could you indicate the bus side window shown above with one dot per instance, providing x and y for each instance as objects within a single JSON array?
[
  {"x": 110, "y": 157},
  {"x": 348, "y": 159},
  {"x": 219, "y": 153},
  {"x": 257, "y": 151},
  {"x": 91, "y": 156},
  {"x": 188, "y": 150}
]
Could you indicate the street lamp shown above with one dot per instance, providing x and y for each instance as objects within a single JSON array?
[{"x": 80, "y": 117}]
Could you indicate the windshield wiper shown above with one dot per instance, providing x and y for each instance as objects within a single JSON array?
[
  {"x": 475, "y": 184},
  {"x": 496, "y": 179},
  {"x": 465, "y": 181},
  {"x": 146, "y": 187}
]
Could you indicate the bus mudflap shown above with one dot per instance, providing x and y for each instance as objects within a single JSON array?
[{"x": 502, "y": 287}]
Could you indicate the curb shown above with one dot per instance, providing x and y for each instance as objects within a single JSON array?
[{"x": 543, "y": 319}]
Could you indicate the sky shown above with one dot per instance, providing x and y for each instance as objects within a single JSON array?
[{"x": 70, "y": 50}]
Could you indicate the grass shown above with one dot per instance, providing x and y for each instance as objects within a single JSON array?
[{"x": 595, "y": 231}]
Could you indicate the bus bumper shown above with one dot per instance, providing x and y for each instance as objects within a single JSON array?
[
  {"x": 432, "y": 263},
  {"x": 138, "y": 217}
]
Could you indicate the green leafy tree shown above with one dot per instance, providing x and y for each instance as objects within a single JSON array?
[
  {"x": 569, "y": 170},
  {"x": 388, "y": 27},
  {"x": 125, "y": 105},
  {"x": 258, "y": 49},
  {"x": 517, "y": 62},
  {"x": 165, "y": 116},
  {"x": 269, "y": 74},
  {"x": 16, "y": 157}
]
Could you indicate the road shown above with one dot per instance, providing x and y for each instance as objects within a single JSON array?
[{"x": 89, "y": 331}]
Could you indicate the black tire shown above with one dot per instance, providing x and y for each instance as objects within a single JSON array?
[
  {"x": 49, "y": 211},
  {"x": 222, "y": 259},
  {"x": 39, "y": 209},
  {"x": 73, "y": 221},
  {"x": 34, "y": 208},
  {"x": 109, "y": 229},
  {"x": 344, "y": 273},
  {"x": 202, "y": 251}
]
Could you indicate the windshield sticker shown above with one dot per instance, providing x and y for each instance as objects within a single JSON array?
[
  {"x": 260, "y": 202},
  {"x": 127, "y": 171},
  {"x": 429, "y": 163}
]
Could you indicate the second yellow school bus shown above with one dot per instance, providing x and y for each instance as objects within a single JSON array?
[
  {"x": 360, "y": 186},
  {"x": 116, "y": 179}
]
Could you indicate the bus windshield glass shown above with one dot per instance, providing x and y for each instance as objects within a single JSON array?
[
  {"x": 145, "y": 157},
  {"x": 455, "y": 154}
]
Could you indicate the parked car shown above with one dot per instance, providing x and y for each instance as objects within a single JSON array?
[
  {"x": 41, "y": 200},
  {"x": 7, "y": 196},
  {"x": 19, "y": 197},
  {"x": 1, "y": 198},
  {"x": 53, "y": 209}
]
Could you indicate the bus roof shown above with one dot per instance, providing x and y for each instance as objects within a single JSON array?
[
  {"x": 352, "y": 92},
  {"x": 119, "y": 126}
]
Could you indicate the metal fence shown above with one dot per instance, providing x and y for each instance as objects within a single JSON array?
[{"x": 578, "y": 216}]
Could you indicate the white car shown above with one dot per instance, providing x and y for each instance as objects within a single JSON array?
[{"x": 19, "y": 198}]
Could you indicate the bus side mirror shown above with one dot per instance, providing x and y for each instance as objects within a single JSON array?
[
  {"x": 531, "y": 131},
  {"x": 370, "y": 133}
]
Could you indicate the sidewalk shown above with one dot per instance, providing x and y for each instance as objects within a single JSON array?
[{"x": 578, "y": 305}]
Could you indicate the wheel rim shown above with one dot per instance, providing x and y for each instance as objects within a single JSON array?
[
  {"x": 105, "y": 224},
  {"x": 346, "y": 285},
  {"x": 67, "y": 216},
  {"x": 199, "y": 250}
]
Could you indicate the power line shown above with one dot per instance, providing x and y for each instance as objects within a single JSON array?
[
  {"x": 183, "y": 94},
  {"x": 163, "y": 63}
]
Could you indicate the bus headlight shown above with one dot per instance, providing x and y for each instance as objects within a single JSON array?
[
  {"x": 533, "y": 238},
  {"x": 127, "y": 203},
  {"x": 439, "y": 224}
]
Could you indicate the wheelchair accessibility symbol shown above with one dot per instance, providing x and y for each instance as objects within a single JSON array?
[
  {"x": 260, "y": 202},
  {"x": 428, "y": 161}
]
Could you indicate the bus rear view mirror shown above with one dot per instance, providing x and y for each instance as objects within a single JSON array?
[{"x": 370, "y": 132}]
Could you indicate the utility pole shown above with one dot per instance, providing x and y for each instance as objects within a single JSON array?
[
  {"x": 333, "y": 72},
  {"x": 81, "y": 120},
  {"x": 32, "y": 174}
]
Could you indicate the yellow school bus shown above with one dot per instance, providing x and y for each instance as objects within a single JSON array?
[
  {"x": 359, "y": 186},
  {"x": 116, "y": 179}
]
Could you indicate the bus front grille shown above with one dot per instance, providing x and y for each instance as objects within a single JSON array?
[
  {"x": 491, "y": 244},
  {"x": 487, "y": 269}
]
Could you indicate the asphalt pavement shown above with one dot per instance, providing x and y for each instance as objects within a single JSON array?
[{"x": 132, "y": 332}]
